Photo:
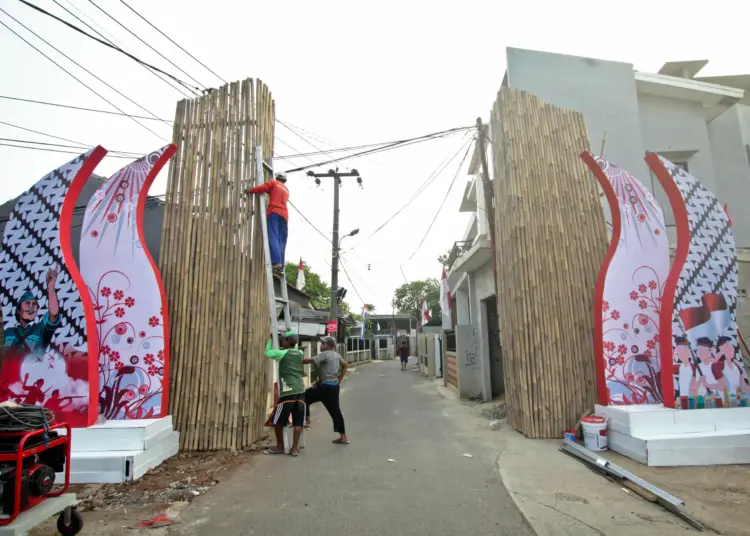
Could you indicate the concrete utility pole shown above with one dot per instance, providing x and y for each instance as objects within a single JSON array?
[
  {"x": 489, "y": 204},
  {"x": 336, "y": 243}
]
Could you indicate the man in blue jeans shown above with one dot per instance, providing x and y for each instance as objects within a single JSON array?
[{"x": 277, "y": 216}]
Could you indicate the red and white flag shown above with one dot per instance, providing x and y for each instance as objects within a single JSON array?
[
  {"x": 709, "y": 320},
  {"x": 445, "y": 295},
  {"x": 425, "y": 311},
  {"x": 301, "y": 275}
]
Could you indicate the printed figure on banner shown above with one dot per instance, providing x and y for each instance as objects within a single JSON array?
[
  {"x": 708, "y": 371},
  {"x": 47, "y": 343}
]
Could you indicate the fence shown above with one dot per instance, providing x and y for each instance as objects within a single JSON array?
[
  {"x": 212, "y": 263},
  {"x": 551, "y": 238},
  {"x": 356, "y": 350}
]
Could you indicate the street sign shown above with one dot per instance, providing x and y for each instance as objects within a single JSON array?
[{"x": 332, "y": 326}]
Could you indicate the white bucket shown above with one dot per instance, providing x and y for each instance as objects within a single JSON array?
[{"x": 594, "y": 432}]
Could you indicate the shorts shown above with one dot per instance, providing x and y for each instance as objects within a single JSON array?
[
  {"x": 404, "y": 358},
  {"x": 293, "y": 405}
]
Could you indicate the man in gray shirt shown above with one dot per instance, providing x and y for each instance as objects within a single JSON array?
[{"x": 331, "y": 370}]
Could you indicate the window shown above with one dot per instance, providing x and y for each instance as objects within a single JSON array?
[{"x": 683, "y": 165}]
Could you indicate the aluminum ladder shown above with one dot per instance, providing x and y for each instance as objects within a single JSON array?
[{"x": 262, "y": 169}]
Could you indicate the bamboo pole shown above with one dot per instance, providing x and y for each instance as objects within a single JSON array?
[
  {"x": 212, "y": 264},
  {"x": 550, "y": 241}
]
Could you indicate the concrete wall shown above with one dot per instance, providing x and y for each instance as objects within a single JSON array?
[
  {"x": 677, "y": 129},
  {"x": 470, "y": 384},
  {"x": 729, "y": 133},
  {"x": 603, "y": 91}
]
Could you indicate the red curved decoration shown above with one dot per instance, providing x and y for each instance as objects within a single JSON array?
[{"x": 128, "y": 293}]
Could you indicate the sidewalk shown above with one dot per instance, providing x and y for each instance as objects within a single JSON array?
[{"x": 561, "y": 496}]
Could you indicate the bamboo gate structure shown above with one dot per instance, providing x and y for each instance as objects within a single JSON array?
[
  {"x": 213, "y": 267},
  {"x": 550, "y": 240}
]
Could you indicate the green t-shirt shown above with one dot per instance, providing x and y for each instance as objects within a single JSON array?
[{"x": 290, "y": 369}]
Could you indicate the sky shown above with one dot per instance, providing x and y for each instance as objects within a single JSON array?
[{"x": 346, "y": 73}]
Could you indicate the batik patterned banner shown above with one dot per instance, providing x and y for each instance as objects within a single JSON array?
[
  {"x": 629, "y": 289},
  {"x": 128, "y": 293},
  {"x": 49, "y": 354},
  {"x": 702, "y": 347}
]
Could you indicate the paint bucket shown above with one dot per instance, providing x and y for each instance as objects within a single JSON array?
[
  {"x": 570, "y": 435},
  {"x": 594, "y": 432}
]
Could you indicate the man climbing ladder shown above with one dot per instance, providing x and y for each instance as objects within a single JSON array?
[{"x": 277, "y": 216}]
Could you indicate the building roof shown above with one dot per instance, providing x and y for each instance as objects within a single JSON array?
[{"x": 683, "y": 69}]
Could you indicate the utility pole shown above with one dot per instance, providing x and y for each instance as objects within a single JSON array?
[
  {"x": 488, "y": 194},
  {"x": 336, "y": 243}
]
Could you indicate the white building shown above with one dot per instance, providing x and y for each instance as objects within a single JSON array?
[{"x": 701, "y": 123}]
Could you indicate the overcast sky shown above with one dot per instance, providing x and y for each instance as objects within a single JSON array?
[{"x": 348, "y": 72}]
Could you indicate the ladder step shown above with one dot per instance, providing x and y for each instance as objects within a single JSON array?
[{"x": 281, "y": 300}]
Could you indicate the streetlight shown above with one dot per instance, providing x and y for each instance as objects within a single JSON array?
[{"x": 353, "y": 233}]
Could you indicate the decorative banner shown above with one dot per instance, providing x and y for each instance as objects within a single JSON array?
[
  {"x": 49, "y": 356},
  {"x": 128, "y": 294},
  {"x": 627, "y": 301},
  {"x": 700, "y": 298}
]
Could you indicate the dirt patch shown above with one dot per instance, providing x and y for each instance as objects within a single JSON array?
[{"x": 114, "y": 509}]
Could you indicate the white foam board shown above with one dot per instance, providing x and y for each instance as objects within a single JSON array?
[{"x": 121, "y": 435}]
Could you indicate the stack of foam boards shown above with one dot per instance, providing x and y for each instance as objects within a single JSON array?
[
  {"x": 120, "y": 451},
  {"x": 659, "y": 436}
]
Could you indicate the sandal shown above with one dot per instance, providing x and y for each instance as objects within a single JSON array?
[
  {"x": 293, "y": 454},
  {"x": 271, "y": 452},
  {"x": 339, "y": 442}
]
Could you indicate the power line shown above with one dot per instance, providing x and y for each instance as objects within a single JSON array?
[
  {"x": 290, "y": 129},
  {"x": 437, "y": 213},
  {"x": 310, "y": 223},
  {"x": 85, "y": 145},
  {"x": 422, "y": 188},
  {"x": 396, "y": 144},
  {"x": 335, "y": 150},
  {"x": 174, "y": 43},
  {"x": 108, "y": 45},
  {"x": 112, "y": 41},
  {"x": 75, "y": 77},
  {"x": 57, "y": 150},
  {"x": 343, "y": 266},
  {"x": 145, "y": 43},
  {"x": 80, "y": 108}
]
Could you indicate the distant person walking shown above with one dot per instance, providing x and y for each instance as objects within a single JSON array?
[
  {"x": 404, "y": 353},
  {"x": 331, "y": 371},
  {"x": 277, "y": 216}
]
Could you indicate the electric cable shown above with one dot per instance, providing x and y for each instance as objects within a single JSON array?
[
  {"x": 108, "y": 45},
  {"x": 113, "y": 41},
  {"x": 24, "y": 418},
  {"x": 83, "y": 147},
  {"x": 78, "y": 79},
  {"x": 145, "y": 43},
  {"x": 422, "y": 188},
  {"x": 174, "y": 43},
  {"x": 394, "y": 145},
  {"x": 437, "y": 213},
  {"x": 310, "y": 223},
  {"x": 343, "y": 266},
  {"x": 290, "y": 129},
  {"x": 57, "y": 150},
  {"x": 83, "y": 109},
  {"x": 78, "y": 143}
]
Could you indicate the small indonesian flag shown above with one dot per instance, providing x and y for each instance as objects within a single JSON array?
[
  {"x": 301, "y": 275},
  {"x": 445, "y": 295},
  {"x": 425, "y": 311}
]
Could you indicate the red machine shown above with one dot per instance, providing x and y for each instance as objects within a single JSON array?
[{"x": 28, "y": 464}]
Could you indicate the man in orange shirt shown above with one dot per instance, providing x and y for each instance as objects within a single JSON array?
[{"x": 277, "y": 216}]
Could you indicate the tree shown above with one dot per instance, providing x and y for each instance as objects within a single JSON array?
[
  {"x": 408, "y": 298},
  {"x": 370, "y": 307},
  {"x": 448, "y": 259},
  {"x": 318, "y": 290}
]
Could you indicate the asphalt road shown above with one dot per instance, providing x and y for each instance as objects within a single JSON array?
[{"x": 430, "y": 489}]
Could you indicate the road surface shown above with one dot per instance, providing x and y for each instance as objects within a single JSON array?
[{"x": 430, "y": 488}]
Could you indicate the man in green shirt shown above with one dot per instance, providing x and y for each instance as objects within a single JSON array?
[{"x": 291, "y": 390}]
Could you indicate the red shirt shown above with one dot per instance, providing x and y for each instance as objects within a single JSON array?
[{"x": 278, "y": 195}]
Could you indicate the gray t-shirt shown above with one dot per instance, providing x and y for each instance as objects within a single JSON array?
[{"x": 329, "y": 363}]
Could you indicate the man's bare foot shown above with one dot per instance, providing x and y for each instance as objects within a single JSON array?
[{"x": 294, "y": 453}]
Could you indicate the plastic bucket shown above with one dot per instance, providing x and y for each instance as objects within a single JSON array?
[{"x": 594, "y": 432}]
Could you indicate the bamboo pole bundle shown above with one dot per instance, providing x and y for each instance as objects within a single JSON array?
[
  {"x": 213, "y": 267},
  {"x": 551, "y": 237}
]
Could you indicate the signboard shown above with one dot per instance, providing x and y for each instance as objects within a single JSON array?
[{"x": 332, "y": 326}]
